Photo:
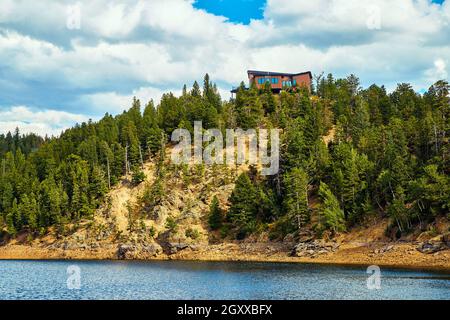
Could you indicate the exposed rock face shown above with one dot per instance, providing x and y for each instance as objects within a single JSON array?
[
  {"x": 384, "y": 249},
  {"x": 313, "y": 248},
  {"x": 435, "y": 244},
  {"x": 446, "y": 239},
  {"x": 132, "y": 251},
  {"x": 176, "y": 247}
]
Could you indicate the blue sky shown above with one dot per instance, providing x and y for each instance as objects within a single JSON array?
[
  {"x": 240, "y": 11},
  {"x": 62, "y": 63}
]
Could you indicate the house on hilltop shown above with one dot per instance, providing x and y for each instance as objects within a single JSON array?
[{"x": 278, "y": 80}]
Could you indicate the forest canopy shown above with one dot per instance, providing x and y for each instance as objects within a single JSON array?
[{"x": 389, "y": 157}]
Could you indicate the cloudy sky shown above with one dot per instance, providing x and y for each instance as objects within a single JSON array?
[{"x": 63, "y": 62}]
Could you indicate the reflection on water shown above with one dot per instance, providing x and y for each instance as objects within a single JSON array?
[{"x": 212, "y": 280}]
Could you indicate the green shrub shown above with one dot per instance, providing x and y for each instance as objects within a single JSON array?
[
  {"x": 138, "y": 177},
  {"x": 215, "y": 214},
  {"x": 192, "y": 233},
  {"x": 171, "y": 224},
  {"x": 224, "y": 230},
  {"x": 152, "y": 231}
]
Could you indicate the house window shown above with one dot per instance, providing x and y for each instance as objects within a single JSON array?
[
  {"x": 274, "y": 80},
  {"x": 294, "y": 82},
  {"x": 263, "y": 80}
]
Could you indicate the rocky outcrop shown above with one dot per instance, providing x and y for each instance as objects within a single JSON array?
[
  {"x": 446, "y": 239},
  {"x": 313, "y": 248},
  {"x": 384, "y": 249},
  {"x": 71, "y": 244},
  {"x": 173, "y": 248},
  {"x": 138, "y": 251},
  {"x": 436, "y": 244}
]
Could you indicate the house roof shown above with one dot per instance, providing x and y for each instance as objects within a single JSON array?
[{"x": 270, "y": 73}]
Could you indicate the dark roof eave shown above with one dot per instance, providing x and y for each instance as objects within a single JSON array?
[{"x": 270, "y": 73}]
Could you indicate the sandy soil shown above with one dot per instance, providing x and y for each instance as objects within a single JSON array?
[
  {"x": 360, "y": 246},
  {"x": 402, "y": 255},
  {"x": 125, "y": 194}
]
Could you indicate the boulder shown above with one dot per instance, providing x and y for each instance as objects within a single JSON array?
[
  {"x": 152, "y": 249},
  {"x": 70, "y": 245},
  {"x": 384, "y": 249},
  {"x": 313, "y": 248},
  {"x": 95, "y": 245},
  {"x": 194, "y": 247},
  {"x": 176, "y": 247},
  {"x": 139, "y": 251},
  {"x": 125, "y": 251},
  {"x": 428, "y": 248},
  {"x": 438, "y": 239},
  {"x": 160, "y": 214},
  {"x": 289, "y": 238},
  {"x": 446, "y": 239},
  {"x": 436, "y": 244}
]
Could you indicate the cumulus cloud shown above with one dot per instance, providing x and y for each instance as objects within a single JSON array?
[
  {"x": 438, "y": 71},
  {"x": 42, "y": 122},
  {"x": 144, "y": 48},
  {"x": 117, "y": 103}
]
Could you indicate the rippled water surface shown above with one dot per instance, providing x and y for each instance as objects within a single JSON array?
[{"x": 211, "y": 280}]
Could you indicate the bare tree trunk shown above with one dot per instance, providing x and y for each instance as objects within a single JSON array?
[
  {"x": 392, "y": 191},
  {"x": 435, "y": 138},
  {"x": 126, "y": 161},
  {"x": 109, "y": 173},
  {"x": 140, "y": 155},
  {"x": 379, "y": 205},
  {"x": 399, "y": 225}
]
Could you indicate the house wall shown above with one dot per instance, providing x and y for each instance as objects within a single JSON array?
[{"x": 302, "y": 80}]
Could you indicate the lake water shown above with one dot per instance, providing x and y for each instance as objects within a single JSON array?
[{"x": 210, "y": 280}]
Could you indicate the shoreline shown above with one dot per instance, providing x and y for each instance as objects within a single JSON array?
[{"x": 345, "y": 257}]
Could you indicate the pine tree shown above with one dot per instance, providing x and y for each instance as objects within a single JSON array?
[
  {"x": 296, "y": 197},
  {"x": 97, "y": 185},
  {"x": 330, "y": 211},
  {"x": 195, "y": 92},
  {"x": 138, "y": 175},
  {"x": 242, "y": 210},
  {"x": 152, "y": 132},
  {"x": 215, "y": 214},
  {"x": 295, "y": 152},
  {"x": 29, "y": 208},
  {"x": 268, "y": 99},
  {"x": 10, "y": 225},
  {"x": 398, "y": 211},
  {"x": 248, "y": 107}
]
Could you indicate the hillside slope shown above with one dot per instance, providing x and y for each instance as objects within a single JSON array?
[{"x": 177, "y": 228}]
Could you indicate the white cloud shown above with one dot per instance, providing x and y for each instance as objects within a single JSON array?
[
  {"x": 438, "y": 71},
  {"x": 144, "y": 48},
  {"x": 42, "y": 122},
  {"x": 115, "y": 103}
]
